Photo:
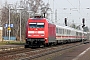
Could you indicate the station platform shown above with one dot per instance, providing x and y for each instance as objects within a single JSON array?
[
  {"x": 79, "y": 53},
  {"x": 85, "y": 55}
]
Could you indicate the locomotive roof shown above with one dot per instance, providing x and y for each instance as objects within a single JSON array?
[{"x": 37, "y": 18}]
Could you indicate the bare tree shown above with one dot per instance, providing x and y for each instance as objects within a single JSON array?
[
  {"x": 35, "y": 6},
  {"x": 28, "y": 5}
]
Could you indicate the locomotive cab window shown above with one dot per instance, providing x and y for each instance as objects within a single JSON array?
[
  {"x": 32, "y": 25},
  {"x": 36, "y": 25},
  {"x": 40, "y": 25}
]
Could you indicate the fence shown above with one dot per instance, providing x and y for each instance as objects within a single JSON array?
[{"x": 11, "y": 38}]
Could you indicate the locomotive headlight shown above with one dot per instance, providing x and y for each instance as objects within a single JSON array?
[
  {"x": 45, "y": 38},
  {"x": 42, "y": 35},
  {"x": 29, "y": 35}
]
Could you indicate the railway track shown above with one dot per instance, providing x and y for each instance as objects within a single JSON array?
[
  {"x": 51, "y": 50},
  {"x": 28, "y": 54}
]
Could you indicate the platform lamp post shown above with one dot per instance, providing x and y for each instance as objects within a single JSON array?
[
  {"x": 0, "y": 17},
  {"x": 20, "y": 21},
  {"x": 9, "y": 21},
  {"x": 0, "y": 14}
]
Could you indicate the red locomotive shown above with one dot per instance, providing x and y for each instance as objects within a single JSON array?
[{"x": 39, "y": 32}]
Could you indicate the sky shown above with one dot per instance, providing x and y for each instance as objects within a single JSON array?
[{"x": 73, "y": 10}]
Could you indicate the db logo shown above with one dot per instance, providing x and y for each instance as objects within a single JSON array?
[{"x": 35, "y": 31}]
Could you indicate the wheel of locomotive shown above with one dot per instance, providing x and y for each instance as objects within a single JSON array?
[
  {"x": 42, "y": 46},
  {"x": 26, "y": 46},
  {"x": 54, "y": 44}
]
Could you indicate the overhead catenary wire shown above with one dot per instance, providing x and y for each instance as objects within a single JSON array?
[{"x": 74, "y": 7}]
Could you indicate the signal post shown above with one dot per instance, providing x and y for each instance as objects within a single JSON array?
[{"x": 83, "y": 21}]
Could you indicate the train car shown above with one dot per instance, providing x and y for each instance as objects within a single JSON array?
[
  {"x": 87, "y": 37},
  {"x": 39, "y": 32},
  {"x": 65, "y": 34}
]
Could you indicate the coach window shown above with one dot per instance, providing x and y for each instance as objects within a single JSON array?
[
  {"x": 80, "y": 34},
  {"x": 56, "y": 30},
  {"x": 63, "y": 31},
  {"x": 60, "y": 31},
  {"x": 67, "y": 31},
  {"x": 76, "y": 33}
]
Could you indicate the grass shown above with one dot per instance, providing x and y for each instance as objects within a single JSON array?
[{"x": 11, "y": 43}]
